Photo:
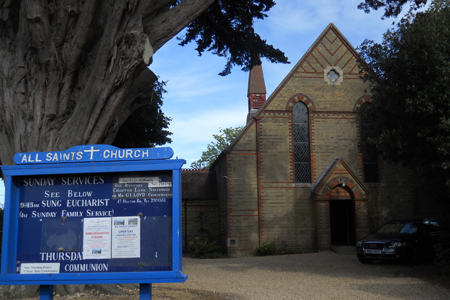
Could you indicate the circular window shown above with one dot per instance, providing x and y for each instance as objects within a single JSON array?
[{"x": 333, "y": 76}]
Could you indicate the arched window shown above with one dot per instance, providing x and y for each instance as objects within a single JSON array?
[
  {"x": 370, "y": 155},
  {"x": 302, "y": 155}
]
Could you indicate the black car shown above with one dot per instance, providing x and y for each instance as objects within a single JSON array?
[{"x": 406, "y": 240}]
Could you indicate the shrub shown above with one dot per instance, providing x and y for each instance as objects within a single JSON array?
[
  {"x": 202, "y": 246},
  {"x": 266, "y": 249}
]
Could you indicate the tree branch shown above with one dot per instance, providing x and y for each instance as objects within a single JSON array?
[
  {"x": 168, "y": 24},
  {"x": 153, "y": 7}
]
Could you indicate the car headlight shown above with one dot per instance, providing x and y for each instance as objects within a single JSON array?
[
  {"x": 394, "y": 244},
  {"x": 359, "y": 244}
]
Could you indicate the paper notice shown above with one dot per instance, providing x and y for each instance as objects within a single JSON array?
[
  {"x": 39, "y": 268},
  {"x": 97, "y": 238},
  {"x": 126, "y": 237}
]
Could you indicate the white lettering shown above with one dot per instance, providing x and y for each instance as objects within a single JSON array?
[
  {"x": 33, "y": 181},
  {"x": 56, "y": 256},
  {"x": 99, "y": 213},
  {"x": 71, "y": 193},
  {"x": 79, "y": 155},
  {"x": 129, "y": 153},
  {"x": 103, "y": 267},
  {"x": 45, "y": 214},
  {"x": 65, "y": 213},
  {"x": 51, "y": 203},
  {"x": 82, "y": 181},
  {"x": 87, "y": 202}
]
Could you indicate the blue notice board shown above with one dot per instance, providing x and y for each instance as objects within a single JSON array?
[{"x": 93, "y": 214}]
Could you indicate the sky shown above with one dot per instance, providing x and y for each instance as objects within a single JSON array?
[{"x": 200, "y": 102}]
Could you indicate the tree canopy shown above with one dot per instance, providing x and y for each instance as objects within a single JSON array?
[
  {"x": 146, "y": 127},
  {"x": 392, "y": 8},
  {"x": 410, "y": 106},
  {"x": 226, "y": 29},
  {"x": 72, "y": 72},
  {"x": 221, "y": 142}
]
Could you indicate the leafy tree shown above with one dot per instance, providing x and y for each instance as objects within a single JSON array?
[
  {"x": 221, "y": 141},
  {"x": 410, "y": 106},
  {"x": 72, "y": 71},
  {"x": 392, "y": 8},
  {"x": 146, "y": 127},
  {"x": 226, "y": 29}
]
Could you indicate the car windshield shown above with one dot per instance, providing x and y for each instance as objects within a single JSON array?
[{"x": 399, "y": 227}]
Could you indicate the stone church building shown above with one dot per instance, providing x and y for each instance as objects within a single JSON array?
[{"x": 298, "y": 175}]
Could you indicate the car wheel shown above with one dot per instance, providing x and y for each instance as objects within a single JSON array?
[{"x": 365, "y": 260}]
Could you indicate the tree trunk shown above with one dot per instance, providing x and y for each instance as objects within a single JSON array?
[{"x": 72, "y": 71}]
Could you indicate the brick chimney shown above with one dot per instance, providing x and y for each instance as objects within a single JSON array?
[{"x": 256, "y": 91}]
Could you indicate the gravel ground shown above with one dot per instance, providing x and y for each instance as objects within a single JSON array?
[{"x": 323, "y": 275}]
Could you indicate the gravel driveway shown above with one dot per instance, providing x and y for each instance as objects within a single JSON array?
[{"x": 323, "y": 275}]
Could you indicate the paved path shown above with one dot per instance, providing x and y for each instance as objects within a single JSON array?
[{"x": 324, "y": 275}]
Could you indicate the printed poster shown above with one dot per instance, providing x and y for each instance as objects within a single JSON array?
[
  {"x": 126, "y": 237},
  {"x": 97, "y": 238}
]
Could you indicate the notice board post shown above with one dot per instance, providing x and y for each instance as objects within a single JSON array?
[{"x": 93, "y": 214}]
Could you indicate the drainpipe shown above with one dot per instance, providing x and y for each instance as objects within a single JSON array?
[{"x": 258, "y": 183}]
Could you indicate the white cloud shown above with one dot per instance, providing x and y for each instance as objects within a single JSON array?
[
  {"x": 192, "y": 133},
  {"x": 200, "y": 102}
]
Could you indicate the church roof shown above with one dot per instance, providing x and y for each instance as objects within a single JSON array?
[
  {"x": 198, "y": 184},
  {"x": 256, "y": 84},
  {"x": 331, "y": 40},
  {"x": 336, "y": 167},
  {"x": 314, "y": 61}
]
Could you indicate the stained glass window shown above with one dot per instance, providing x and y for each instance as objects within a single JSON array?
[{"x": 302, "y": 156}]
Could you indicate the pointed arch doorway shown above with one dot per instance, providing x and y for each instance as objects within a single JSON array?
[
  {"x": 342, "y": 217},
  {"x": 341, "y": 206}
]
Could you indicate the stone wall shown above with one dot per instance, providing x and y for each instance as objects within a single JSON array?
[{"x": 263, "y": 203}]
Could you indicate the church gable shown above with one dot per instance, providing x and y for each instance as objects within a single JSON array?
[
  {"x": 331, "y": 49},
  {"x": 327, "y": 74},
  {"x": 338, "y": 176}
]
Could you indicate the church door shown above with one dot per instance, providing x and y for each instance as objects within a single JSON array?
[{"x": 342, "y": 222}]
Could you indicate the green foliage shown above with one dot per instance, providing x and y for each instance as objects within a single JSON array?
[
  {"x": 146, "y": 127},
  {"x": 226, "y": 29},
  {"x": 392, "y": 8},
  {"x": 410, "y": 106},
  {"x": 266, "y": 249},
  {"x": 202, "y": 246},
  {"x": 221, "y": 141}
]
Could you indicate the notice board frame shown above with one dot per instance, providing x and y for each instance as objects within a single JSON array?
[{"x": 8, "y": 273}]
